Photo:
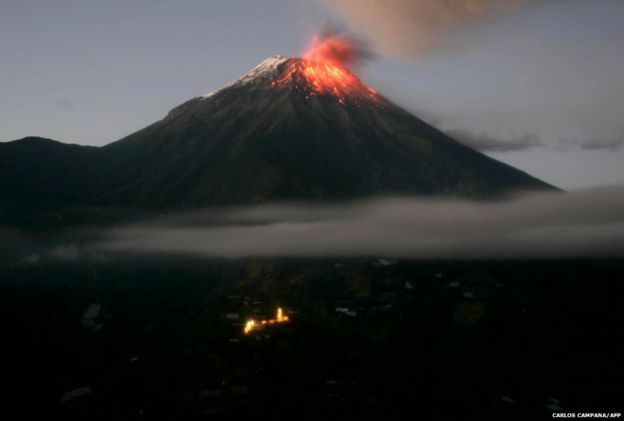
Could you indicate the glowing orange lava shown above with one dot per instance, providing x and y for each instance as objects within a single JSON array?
[
  {"x": 335, "y": 49},
  {"x": 323, "y": 71},
  {"x": 252, "y": 324}
]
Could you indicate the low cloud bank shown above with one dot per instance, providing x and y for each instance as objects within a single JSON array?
[
  {"x": 612, "y": 144},
  {"x": 486, "y": 143},
  {"x": 582, "y": 224}
]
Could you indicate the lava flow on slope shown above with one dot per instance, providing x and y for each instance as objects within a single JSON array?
[{"x": 323, "y": 71}]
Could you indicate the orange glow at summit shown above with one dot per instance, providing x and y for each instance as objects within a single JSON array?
[{"x": 323, "y": 69}]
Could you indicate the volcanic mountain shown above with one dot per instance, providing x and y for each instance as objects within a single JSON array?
[{"x": 290, "y": 129}]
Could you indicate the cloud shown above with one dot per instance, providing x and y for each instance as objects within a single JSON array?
[
  {"x": 30, "y": 248},
  {"x": 585, "y": 224},
  {"x": 67, "y": 252},
  {"x": 32, "y": 259},
  {"x": 612, "y": 144},
  {"x": 487, "y": 143},
  {"x": 411, "y": 28}
]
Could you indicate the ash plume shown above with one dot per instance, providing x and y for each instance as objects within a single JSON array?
[
  {"x": 337, "y": 46},
  {"x": 412, "y": 28}
]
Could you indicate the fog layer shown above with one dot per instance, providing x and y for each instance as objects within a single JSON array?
[{"x": 581, "y": 224}]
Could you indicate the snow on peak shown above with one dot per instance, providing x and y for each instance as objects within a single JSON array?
[{"x": 267, "y": 69}]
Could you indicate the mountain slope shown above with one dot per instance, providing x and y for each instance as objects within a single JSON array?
[
  {"x": 290, "y": 129},
  {"x": 254, "y": 141},
  {"x": 37, "y": 172}
]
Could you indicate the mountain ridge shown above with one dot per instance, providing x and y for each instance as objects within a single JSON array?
[{"x": 289, "y": 129}]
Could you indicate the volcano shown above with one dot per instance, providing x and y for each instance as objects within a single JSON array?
[{"x": 289, "y": 129}]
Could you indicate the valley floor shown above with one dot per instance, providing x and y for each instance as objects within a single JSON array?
[{"x": 366, "y": 339}]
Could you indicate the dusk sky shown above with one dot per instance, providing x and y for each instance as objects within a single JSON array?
[{"x": 541, "y": 88}]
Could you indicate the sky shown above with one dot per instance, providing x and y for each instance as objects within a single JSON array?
[{"x": 540, "y": 87}]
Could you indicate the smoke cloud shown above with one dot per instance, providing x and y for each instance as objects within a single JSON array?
[
  {"x": 411, "y": 28},
  {"x": 336, "y": 45},
  {"x": 486, "y": 143},
  {"x": 583, "y": 224}
]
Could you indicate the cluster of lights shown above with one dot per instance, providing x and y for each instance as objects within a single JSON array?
[{"x": 252, "y": 324}]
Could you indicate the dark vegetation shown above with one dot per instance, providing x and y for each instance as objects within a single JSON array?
[{"x": 429, "y": 340}]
